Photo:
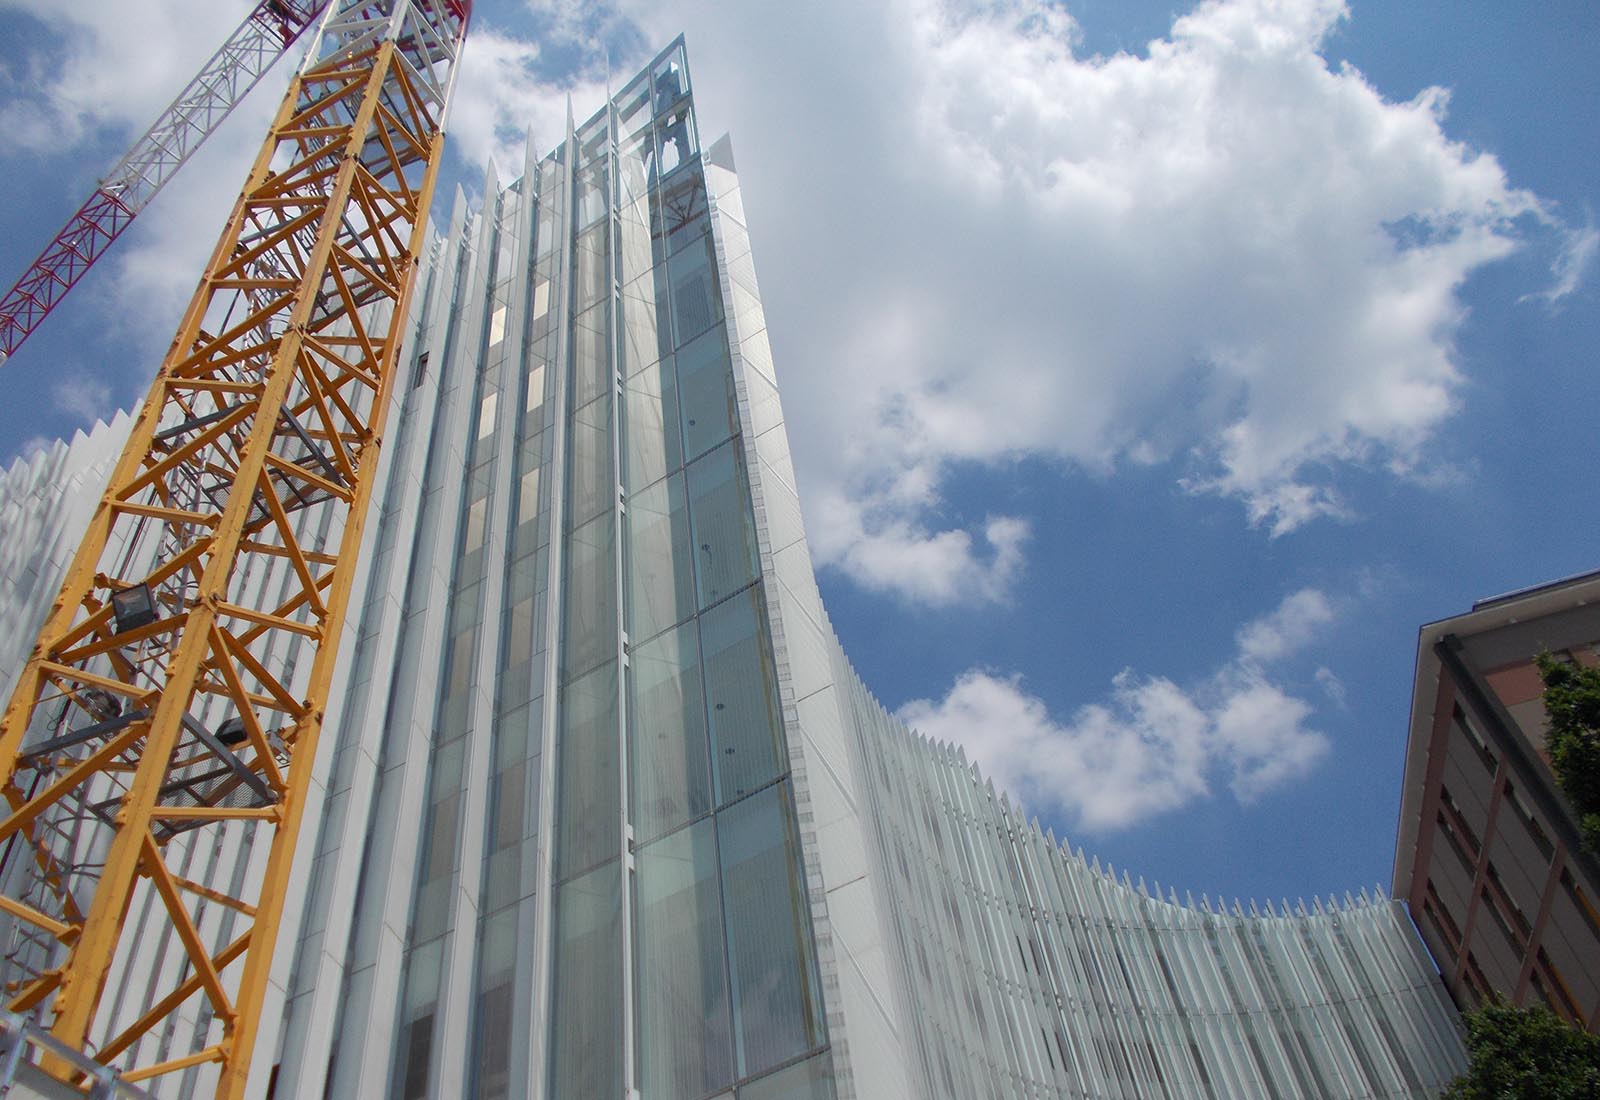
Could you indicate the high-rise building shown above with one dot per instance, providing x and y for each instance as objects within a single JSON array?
[
  {"x": 603, "y": 811},
  {"x": 1489, "y": 856}
]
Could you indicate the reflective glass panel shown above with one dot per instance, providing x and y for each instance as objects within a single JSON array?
[
  {"x": 808, "y": 1080},
  {"x": 588, "y": 828},
  {"x": 414, "y": 1051},
  {"x": 592, "y": 187},
  {"x": 741, "y": 696},
  {"x": 650, "y": 438},
  {"x": 591, "y": 612},
  {"x": 776, "y": 1007},
  {"x": 684, "y": 210},
  {"x": 696, "y": 303},
  {"x": 671, "y": 78},
  {"x": 675, "y": 140},
  {"x": 632, "y": 103},
  {"x": 593, "y": 485},
  {"x": 646, "y": 332},
  {"x": 685, "y": 1040},
  {"x": 591, "y": 354},
  {"x": 586, "y": 1016},
  {"x": 593, "y": 271},
  {"x": 724, "y": 529},
  {"x": 496, "y": 967},
  {"x": 636, "y": 246},
  {"x": 660, "y": 566},
  {"x": 669, "y": 769},
  {"x": 705, "y": 392}
]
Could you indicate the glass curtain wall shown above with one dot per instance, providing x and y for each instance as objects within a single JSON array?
[
  {"x": 682, "y": 928},
  {"x": 439, "y": 864},
  {"x": 503, "y": 980}
]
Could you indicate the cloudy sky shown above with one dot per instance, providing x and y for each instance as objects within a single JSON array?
[{"x": 1152, "y": 370}]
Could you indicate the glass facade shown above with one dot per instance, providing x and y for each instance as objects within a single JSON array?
[
  {"x": 582, "y": 839},
  {"x": 606, "y": 813},
  {"x": 672, "y": 935}
]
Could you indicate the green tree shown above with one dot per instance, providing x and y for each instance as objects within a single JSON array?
[
  {"x": 1526, "y": 1054},
  {"x": 1572, "y": 700}
]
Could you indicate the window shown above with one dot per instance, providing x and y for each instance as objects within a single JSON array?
[
  {"x": 591, "y": 354},
  {"x": 593, "y": 184},
  {"x": 588, "y": 987},
  {"x": 1470, "y": 732},
  {"x": 1566, "y": 1006},
  {"x": 685, "y": 1031},
  {"x": 651, "y": 441},
  {"x": 660, "y": 564},
  {"x": 1511, "y": 903},
  {"x": 776, "y": 1008},
  {"x": 741, "y": 697},
  {"x": 1459, "y": 820},
  {"x": 594, "y": 487},
  {"x": 1581, "y": 901},
  {"x": 646, "y": 328},
  {"x": 685, "y": 211},
  {"x": 670, "y": 769},
  {"x": 696, "y": 302},
  {"x": 1453, "y": 841},
  {"x": 486, "y": 413},
  {"x": 1536, "y": 831},
  {"x": 1441, "y": 919},
  {"x": 724, "y": 529},
  {"x": 588, "y": 826},
  {"x": 808, "y": 1080},
  {"x": 1489, "y": 903},
  {"x": 705, "y": 393},
  {"x": 591, "y": 609}
]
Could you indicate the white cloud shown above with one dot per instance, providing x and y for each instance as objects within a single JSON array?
[
  {"x": 1223, "y": 254},
  {"x": 1332, "y": 686},
  {"x": 1260, "y": 730},
  {"x": 83, "y": 397},
  {"x": 503, "y": 93},
  {"x": 1143, "y": 752},
  {"x": 888, "y": 549},
  {"x": 1151, "y": 746},
  {"x": 109, "y": 68},
  {"x": 1290, "y": 627},
  {"x": 1572, "y": 264},
  {"x": 90, "y": 90}
]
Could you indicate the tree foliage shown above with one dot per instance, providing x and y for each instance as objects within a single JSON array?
[
  {"x": 1526, "y": 1054},
  {"x": 1572, "y": 700}
]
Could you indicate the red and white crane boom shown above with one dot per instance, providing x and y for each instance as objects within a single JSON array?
[{"x": 266, "y": 34}]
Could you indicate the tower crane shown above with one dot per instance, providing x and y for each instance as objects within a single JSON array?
[{"x": 157, "y": 751}]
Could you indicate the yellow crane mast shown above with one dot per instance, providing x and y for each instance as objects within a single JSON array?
[{"x": 173, "y": 703}]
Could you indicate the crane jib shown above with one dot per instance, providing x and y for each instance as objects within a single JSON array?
[{"x": 268, "y": 32}]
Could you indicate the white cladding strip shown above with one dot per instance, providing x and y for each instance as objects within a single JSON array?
[{"x": 1036, "y": 973}]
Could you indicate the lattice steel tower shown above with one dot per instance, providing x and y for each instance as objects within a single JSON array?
[{"x": 177, "y": 689}]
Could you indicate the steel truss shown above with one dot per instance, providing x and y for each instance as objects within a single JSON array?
[
  {"x": 170, "y": 713},
  {"x": 264, "y": 36}
]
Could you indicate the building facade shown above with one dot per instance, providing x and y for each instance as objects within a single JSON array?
[
  {"x": 1489, "y": 855},
  {"x": 603, "y": 810}
]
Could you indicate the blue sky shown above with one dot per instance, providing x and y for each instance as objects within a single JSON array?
[{"x": 1195, "y": 355}]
